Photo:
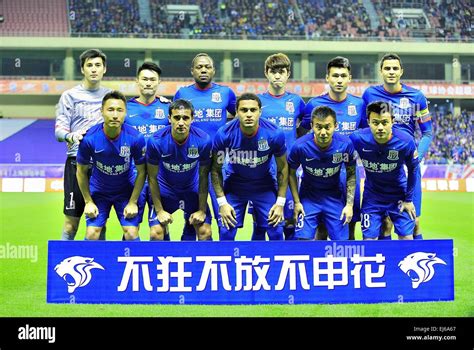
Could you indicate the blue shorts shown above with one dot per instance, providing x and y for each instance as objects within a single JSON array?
[
  {"x": 172, "y": 201},
  {"x": 326, "y": 209},
  {"x": 372, "y": 213},
  {"x": 356, "y": 206},
  {"x": 104, "y": 203},
  {"x": 262, "y": 203},
  {"x": 288, "y": 209}
]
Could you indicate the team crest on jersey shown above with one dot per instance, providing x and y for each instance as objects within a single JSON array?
[
  {"x": 290, "y": 107},
  {"x": 159, "y": 114},
  {"x": 337, "y": 158},
  {"x": 216, "y": 97},
  {"x": 404, "y": 103},
  {"x": 351, "y": 110},
  {"x": 193, "y": 152},
  {"x": 392, "y": 154},
  {"x": 124, "y": 151},
  {"x": 263, "y": 145}
]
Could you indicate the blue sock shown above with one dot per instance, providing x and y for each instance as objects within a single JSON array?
[
  {"x": 189, "y": 233},
  {"x": 385, "y": 238},
  {"x": 258, "y": 233},
  {"x": 289, "y": 233},
  {"x": 420, "y": 236},
  {"x": 102, "y": 234}
]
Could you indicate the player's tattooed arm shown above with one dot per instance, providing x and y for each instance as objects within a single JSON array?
[
  {"x": 351, "y": 184},
  {"x": 282, "y": 175},
  {"x": 203, "y": 186},
  {"x": 216, "y": 174}
]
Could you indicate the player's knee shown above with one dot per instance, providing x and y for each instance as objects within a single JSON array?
[
  {"x": 204, "y": 232},
  {"x": 71, "y": 225},
  {"x": 157, "y": 233},
  {"x": 130, "y": 232},
  {"x": 92, "y": 233}
]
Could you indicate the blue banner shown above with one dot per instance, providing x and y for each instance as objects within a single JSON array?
[{"x": 294, "y": 272}]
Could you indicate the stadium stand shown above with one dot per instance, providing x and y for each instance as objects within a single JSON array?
[{"x": 34, "y": 18}]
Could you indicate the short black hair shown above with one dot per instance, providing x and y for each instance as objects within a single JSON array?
[
  {"x": 92, "y": 53},
  {"x": 248, "y": 96},
  {"x": 390, "y": 56},
  {"x": 181, "y": 104},
  {"x": 379, "y": 107},
  {"x": 150, "y": 66},
  {"x": 114, "y": 95},
  {"x": 322, "y": 112},
  {"x": 202, "y": 54},
  {"x": 338, "y": 62}
]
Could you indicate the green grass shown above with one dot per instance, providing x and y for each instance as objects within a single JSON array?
[{"x": 34, "y": 218}]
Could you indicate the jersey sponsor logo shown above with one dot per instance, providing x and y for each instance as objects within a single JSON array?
[
  {"x": 216, "y": 97},
  {"x": 392, "y": 154},
  {"x": 337, "y": 158},
  {"x": 419, "y": 267},
  {"x": 76, "y": 271},
  {"x": 404, "y": 102},
  {"x": 351, "y": 110},
  {"x": 263, "y": 145},
  {"x": 159, "y": 114},
  {"x": 193, "y": 152},
  {"x": 124, "y": 151},
  {"x": 290, "y": 107}
]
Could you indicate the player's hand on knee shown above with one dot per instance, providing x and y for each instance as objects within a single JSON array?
[
  {"x": 297, "y": 211},
  {"x": 227, "y": 213},
  {"x": 91, "y": 210},
  {"x": 275, "y": 216},
  {"x": 197, "y": 218},
  {"x": 164, "y": 217},
  {"x": 409, "y": 207},
  {"x": 130, "y": 211},
  {"x": 347, "y": 213}
]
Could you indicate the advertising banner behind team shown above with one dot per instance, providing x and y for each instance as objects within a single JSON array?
[{"x": 250, "y": 272}]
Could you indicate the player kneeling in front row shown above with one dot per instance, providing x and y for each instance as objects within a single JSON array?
[
  {"x": 387, "y": 191},
  {"x": 178, "y": 165},
  {"x": 321, "y": 198},
  {"x": 111, "y": 146}
]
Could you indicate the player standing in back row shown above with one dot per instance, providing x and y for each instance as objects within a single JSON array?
[
  {"x": 350, "y": 114},
  {"x": 285, "y": 109},
  {"x": 79, "y": 109},
  {"x": 409, "y": 108},
  {"x": 213, "y": 105}
]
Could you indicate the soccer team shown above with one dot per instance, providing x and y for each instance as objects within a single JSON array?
[{"x": 293, "y": 164}]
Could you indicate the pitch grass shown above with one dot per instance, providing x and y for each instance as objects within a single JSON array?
[{"x": 33, "y": 218}]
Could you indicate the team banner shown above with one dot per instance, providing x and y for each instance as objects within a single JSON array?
[{"x": 293, "y": 272}]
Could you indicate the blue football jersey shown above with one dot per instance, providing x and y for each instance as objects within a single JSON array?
[
  {"x": 249, "y": 158},
  {"x": 147, "y": 119},
  {"x": 210, "y": 105},
  {"x": 383, "y": 164},
  {"x": 179, "y": 163},
  {"x": 350, "y": 112},
  {"x": 409, "y": 106},
  {"x": 112, "y": 166},
  {"x": 284, "y": 111},
  {"x": 321, "y": 168}
]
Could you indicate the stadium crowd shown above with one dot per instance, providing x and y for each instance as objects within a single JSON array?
[
  {"x": 452, "y": 139},
  {"x": 250, "y": 19}
]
